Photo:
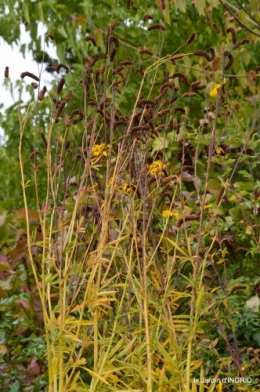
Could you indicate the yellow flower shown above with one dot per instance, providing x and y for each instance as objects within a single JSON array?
[
  {"x": 100, "y": 149},
  {"x": 219, "y": 387},
  {"x": 125, "y": 188},
  {"x": 215, "y": 90},
  {"x": 156, "y": 167},
  {"x": 168, "y": 213}
]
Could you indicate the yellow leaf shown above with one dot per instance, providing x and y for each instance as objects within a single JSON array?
[{"x": 200, "y": 5}]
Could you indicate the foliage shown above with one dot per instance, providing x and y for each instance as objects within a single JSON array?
[{"x": 139, "y": 172}]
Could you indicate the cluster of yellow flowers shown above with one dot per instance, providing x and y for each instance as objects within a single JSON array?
[
  {"x": 156, "y": 167},
  {"x": 168, "y": 213},
  {"x": 100, "y": 149},
  {"x": 215, "y": 90}
]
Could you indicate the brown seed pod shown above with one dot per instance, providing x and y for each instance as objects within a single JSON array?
[
  {"x": 92, "y": 102},
  {"x": 64, "y": 66},
  {"x": 216, "y": 28},
  {"x": 190, "y": 39},
  {"x": 181, "y": 77},
  {"x": 238, "y": 287},
  {"x": 44, "y": 140},
  {"x": 112, "y": 55},
  {"x": 33, "y": 154},
  {"x": 60, "y": 108},
  {"x": 34, "y": 85},
  {"x": 142, "y": 102},
  {"x": 60, "y": 85},
  {"x": 177, "y": 56},
  {"x": 146, "y": 51},
  {"x": 243, "y": 41},
  {"x": 230, "y": 60},
  {"x": 175, "y": 125},
  {"x": 30, "y": 75},
  {"x": 221, "y": 193},
  {"x": 163, "y": 112},
  {"x": 194, "y": 84},
  {"x": 147, "y": 17},
  {"x": 6, "y": 74},
  {"x": 168, "y": 102},
  {"x": 76, "y": 112},
  {"x": 156, "y": 26},
  {"x": 114, "y": 25},
  {"x": 178, "y": 109},
  {"x": 114, "y": 39},
  {"x": 91, "y": 39},
  {"x": 188, "y": 218},
  {"x": 128, "y": 4},
  {"x": 117, "y": 70},
  {"x": 200, "y": 87},
  {"x": 203, "y": 54},
  {"x": 189, "y": 95},
  {"x": 67, "y": 121},
  {"x": 163, "y": 5},
  {"x": 42, "y": 93},
  {"x": 140, "y": 70},
  {"x": 212, "y": 52},
  {"x": 160, "y": 127},
  {"x": 52, "y": 68},
  {"x": 69, "y": 96},
  {"x": 232, "y": 31},
  {"x": 127, "y": 62}
]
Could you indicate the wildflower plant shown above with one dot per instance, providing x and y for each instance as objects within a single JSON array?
[{"x": 132, "y": 200}]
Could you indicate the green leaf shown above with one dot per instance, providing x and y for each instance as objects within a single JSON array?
[{"x": 200, "y": 5}]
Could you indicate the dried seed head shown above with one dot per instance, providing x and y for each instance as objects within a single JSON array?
[
  {"x": 212, "y": 52},
  {"x": 243, "y": 41},
  {"x": 192, "y": 217},
  {"x": 51, "y": 68},
  {"x": 230, "y": 58},
  {"x": 112, "y": 55},
  {"x": 44, "y": 140},
  {"x": 6, "y": 74},
  {"x": 42, "y": 93},
  {"x": 30, "y": 75},
  {"x": 233, "y": 34},
  {"x": 92, "y": 39},
  {"x": 203, "y": 54},
  {"x": 178, "y": 109},
  {"x": 114, "y": 39},
  {"x": 60, "y": 85},
  {"x": 190, "y": 39},
  {"x": 177, "y": 56},
  {"x": 114, "y": 25},
  {"x": 76, "y": 112},
  {"x": 33, "y": 154},
  {"x": 127, "y": 62},
  {"x": 128, "y": 4},
  {"x": 163, "y": 6},
  {"x": 64, "y": 66},
  {"x": 216, "y": 28},
  {"x": 69, "y": 96},
  {"x": 181, "y": 77},
  {"x": 147, "y": 17},
  {"x": 35, "y": 85},
  {"x": 146, "y": 51},
  {"x": 156, "y": 26},
  {"x": 189, "y": 95}
]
